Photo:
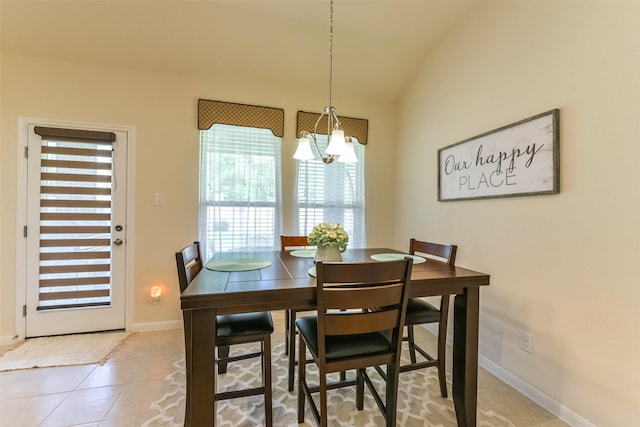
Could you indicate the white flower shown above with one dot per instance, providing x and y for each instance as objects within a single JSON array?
[{"x": 328, "y": 233}]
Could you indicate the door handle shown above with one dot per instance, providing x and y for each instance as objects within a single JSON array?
[{"x": 117, "y": 242}]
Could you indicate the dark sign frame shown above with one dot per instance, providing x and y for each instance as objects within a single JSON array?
[{"x": 519, "y": 159}]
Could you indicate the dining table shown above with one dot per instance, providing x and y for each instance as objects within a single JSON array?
[{"x": 282, "y": 280}]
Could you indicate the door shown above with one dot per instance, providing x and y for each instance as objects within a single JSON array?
[{"x": 76, "y": 231}]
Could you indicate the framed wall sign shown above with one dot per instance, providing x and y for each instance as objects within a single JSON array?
[{"x": 519, "y": 159}]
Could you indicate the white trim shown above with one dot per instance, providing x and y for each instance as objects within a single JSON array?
[
  {"x": 155, "y": 326},
  {"x": 548, "y": 403},
  {"x": 9, "y": 339},
  {"x": 128, "y": 317},
  {"x": 21, "y": 218},
  {"x": 21, "y": 211},
  {"x": 537, "y": 396}
]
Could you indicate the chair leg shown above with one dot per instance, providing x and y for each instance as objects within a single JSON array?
[
  {"x": 223, "y": 351},
  {"x": 392, "y": 394},
  {"x": 302, "y": 366},
  {"x": 286, "y": 332},
  {"x": 323, "y": 399},
  {"x": 442, "y": 354},
  {"x": 291, "y": 336},
  {"x": 412, "y": 344},
  {"x": 266, "y": 378},
  {"x": 359, "y": 389},
  {"x": 442, "y": 345}
]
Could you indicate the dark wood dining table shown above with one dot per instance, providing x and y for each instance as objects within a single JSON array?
[{"x": 286, "y": 284}]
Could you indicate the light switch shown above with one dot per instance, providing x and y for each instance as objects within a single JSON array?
[{"x": 158, "y": 199}]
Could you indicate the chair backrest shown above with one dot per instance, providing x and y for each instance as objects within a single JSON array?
[
  {"x": 189, "y": 263},
  {"x": 293, "y": 241},
  {"x": 448, "y": 252},
  {"x": 375, "y": 295}
]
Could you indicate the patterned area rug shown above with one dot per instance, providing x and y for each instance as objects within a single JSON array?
[{"x": 419, "y": 400}]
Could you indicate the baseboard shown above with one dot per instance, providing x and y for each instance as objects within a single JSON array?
[
  {"x": 9, "y": 339},
  {"x": 155, "y": 326},
  {"x": 277, "y": 315},
  {"x": 135, "y": 327},
  {"x": 551, "y": 405}
]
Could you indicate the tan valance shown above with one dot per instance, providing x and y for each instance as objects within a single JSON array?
[
  {"x": 357, "y": 128},
  {"x": 229, "y": 113}
]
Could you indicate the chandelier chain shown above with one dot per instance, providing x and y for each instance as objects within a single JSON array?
[{"x": 330, "y": 50}]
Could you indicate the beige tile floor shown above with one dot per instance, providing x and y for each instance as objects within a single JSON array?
[{"x": 120, "y": 392}]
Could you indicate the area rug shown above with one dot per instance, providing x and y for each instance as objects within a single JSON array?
[
  {"x": 419, "y": 400},
  {"x": 63, "y": 350}
]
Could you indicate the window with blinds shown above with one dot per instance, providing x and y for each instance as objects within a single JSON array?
[
  {"x": 75, "y": 223},
  {"x": 240, "y": 189},
  {"x": 333, "y": 192}
]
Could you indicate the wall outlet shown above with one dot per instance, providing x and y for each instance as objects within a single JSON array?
[
  {"x": 158, "y": 199},
  {"x": 526, "y": 341}
]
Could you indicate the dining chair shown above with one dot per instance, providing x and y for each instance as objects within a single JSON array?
[
  {"x": 421, "y": 312},
  {"x": 360, "y": 314},
  {"x": 288, "y": 243},
  {"x": 234, "y": 329}
]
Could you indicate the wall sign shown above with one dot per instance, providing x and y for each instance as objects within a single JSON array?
[{"x": 519, "y": 159}]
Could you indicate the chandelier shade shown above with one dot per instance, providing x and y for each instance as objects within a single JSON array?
[
  {"x": 338, "y": 142},
  {"x": 303, "y": 152}
]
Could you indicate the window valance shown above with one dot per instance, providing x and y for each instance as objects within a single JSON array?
[
  {"x": 357, "y": 128},
  {"x": 229, "y": 113}
]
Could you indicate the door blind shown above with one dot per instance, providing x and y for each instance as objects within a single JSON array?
[{"x": 75, "y": 222}]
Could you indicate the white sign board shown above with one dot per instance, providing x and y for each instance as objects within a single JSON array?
[{"x": 516, "y": 160}]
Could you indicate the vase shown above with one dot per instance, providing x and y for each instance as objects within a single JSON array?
[{"x": 328, "y": 253}]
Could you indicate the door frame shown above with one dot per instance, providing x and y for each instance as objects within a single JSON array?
[{"x": 21, "y": 211}]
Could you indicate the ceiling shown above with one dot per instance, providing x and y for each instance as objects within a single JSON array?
[{"x": 377, "y": 44}]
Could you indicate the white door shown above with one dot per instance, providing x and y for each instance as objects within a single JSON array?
[{"x": 76, "y": 231}]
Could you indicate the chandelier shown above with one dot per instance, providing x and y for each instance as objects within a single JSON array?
[{"x": 340, "y": 146}]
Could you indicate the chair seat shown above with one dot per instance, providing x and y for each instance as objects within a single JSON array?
[
  {"x": 419, "y": 311},
  {"x": 342, "y": 346},
  {"x": 244, "y": 324}
]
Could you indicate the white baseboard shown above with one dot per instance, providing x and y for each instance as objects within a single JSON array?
[
  {"x": 155, "y": 326},
  {"x": 177, "y": 324},
  {"x": 135, "y": 327},
  {"x": 551, "y": 405},
  {"x": 9, "y": 339}
]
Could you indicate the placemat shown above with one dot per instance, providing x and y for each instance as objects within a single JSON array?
[
  {"x": 304, "y": 253},
  {"x": 238, "y": 264},
  {"x": 395, "y": 257}
]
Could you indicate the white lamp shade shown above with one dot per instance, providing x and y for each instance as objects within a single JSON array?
[
  {"x": 336, "y": 143},
  {"x": 303, "y": 152},
  {"x": 349, "y": 154}
]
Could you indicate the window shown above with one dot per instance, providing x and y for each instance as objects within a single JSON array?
[
  {"x": 240, "y": 189},
  {"x": 333, "y": 192}
]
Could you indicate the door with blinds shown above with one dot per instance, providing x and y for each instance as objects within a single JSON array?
[{"x": 76, "y": 231}]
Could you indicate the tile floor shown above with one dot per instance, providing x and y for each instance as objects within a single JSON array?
[{"x": 120, "y": 392}]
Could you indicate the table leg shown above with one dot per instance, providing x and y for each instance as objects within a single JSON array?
[
  {"x": 465, "y": 356},
  {"x": 200, "y": 367}
]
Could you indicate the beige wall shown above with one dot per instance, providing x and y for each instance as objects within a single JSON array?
[
  {"x": 162, "y": 108},
  {"x": 564, "y": 267}
]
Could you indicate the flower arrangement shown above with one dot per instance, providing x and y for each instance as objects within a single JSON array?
[{"x": 328, "y": 233}]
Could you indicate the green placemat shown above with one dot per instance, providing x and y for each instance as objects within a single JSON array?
[
  {"x": 304, "y": 253},
  {"x": 238, "y": 264},
  {"x": 395, "y": 257},
  {"x": 312, "y": 272}
]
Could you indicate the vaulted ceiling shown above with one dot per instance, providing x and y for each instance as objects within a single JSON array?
[{"x": 378, "y": 44}]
